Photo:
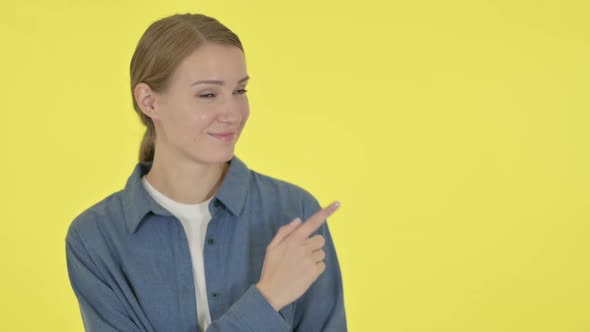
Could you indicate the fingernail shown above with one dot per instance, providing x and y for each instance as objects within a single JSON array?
[
  {"x": 336, "y": 205},
  {"x": 295, "y": 221}
]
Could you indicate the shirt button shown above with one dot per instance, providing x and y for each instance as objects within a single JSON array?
[
  {"x": 211, "y": 241},
  {"x": 215, "y": 294},
  {"x": 216, "y": 203}
]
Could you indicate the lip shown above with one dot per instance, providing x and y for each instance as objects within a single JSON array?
[{"x": 229, "y": 136}]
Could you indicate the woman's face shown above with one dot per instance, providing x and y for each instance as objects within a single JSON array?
[{"x": 193, "y": 111}]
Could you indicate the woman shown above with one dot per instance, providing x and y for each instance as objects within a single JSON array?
[{"x": 196, "y": 241}]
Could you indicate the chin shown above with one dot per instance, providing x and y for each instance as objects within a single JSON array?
[{"x": 216, "y": 157}]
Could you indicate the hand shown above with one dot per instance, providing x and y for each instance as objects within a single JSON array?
[{"x": 293, "y": 260}]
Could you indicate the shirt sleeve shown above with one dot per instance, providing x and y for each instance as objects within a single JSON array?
[
  {"x": 321, "y": 308},
  {"x": 101, "y": 309}
]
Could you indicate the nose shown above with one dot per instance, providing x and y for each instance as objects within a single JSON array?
[
  {"x": 230, "y": 115},
  {"x": 232, "y": 111}
]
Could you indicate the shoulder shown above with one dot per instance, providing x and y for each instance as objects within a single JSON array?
[
  {"x": 277, "y": 186},
  {"x": 89, "y": 224},
  {"x": 284, "y": 193}
]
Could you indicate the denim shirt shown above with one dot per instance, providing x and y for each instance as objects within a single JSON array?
[{"x": 130, "y": 268}]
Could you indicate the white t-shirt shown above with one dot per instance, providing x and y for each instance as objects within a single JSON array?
[{"x": 194, "y": 219}]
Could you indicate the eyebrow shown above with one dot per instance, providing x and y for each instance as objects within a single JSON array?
[{"x": 219, "y": 82}]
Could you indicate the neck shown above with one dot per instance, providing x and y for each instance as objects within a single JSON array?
[{"x": 185, "y": 181}]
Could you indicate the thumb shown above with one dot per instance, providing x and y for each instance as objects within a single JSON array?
[{"x": 284, "y": 231}]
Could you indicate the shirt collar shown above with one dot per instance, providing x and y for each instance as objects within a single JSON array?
[{"x": 137, "y": 202}]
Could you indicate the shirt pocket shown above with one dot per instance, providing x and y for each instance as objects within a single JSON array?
[
  {"x": 259, "y": 243},
  {"x": 257, "y": 253}
]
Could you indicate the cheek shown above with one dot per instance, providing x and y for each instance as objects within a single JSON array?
[
  {"x": 201, "y": 120},
  {"x": 245, "y": 115}
]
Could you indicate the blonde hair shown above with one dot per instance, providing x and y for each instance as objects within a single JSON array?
[{"x": 160, "y": 50}]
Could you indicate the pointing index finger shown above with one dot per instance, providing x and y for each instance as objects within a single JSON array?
[{"x": 316, "y": 220}]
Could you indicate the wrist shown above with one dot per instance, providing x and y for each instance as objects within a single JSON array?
[{"x": 266, "y": 294}]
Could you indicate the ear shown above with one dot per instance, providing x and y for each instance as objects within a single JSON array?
[{"x": 145, "y": 98}]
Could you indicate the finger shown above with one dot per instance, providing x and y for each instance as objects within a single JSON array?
[
  {"x": 284, "y": 231},
  {"x": 315, "y": 242},
  {"x": 321, "y": 266},
  {"x": 318, "y": 256},
  {"x": 315, "y": 221}
]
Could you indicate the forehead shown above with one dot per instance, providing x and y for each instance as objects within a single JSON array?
[{"x": 213, "y": 61}]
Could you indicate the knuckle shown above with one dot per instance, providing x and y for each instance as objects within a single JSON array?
[{"x": 319, "y": 240}]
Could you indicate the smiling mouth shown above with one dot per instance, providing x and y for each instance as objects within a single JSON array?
[{"x": 224, "y": 136}]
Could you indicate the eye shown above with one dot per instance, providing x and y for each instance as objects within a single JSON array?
[{"x": 206, "y": 95}]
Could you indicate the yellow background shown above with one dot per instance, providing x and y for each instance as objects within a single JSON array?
[{"x": 455, "y": 134}]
